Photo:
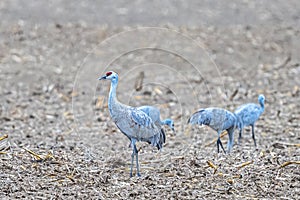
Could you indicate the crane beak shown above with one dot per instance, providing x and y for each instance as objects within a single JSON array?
[
  {"x": 173, "y": 130},
  {"x": 101, "y": 78}
]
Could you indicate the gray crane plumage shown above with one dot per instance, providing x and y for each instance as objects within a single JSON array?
[
  {"x": 154, "y": 114},
  {"x": 248, "y": 114},
  {"x": 133, "y": 123},
  {"x": 219, "y": 120}
]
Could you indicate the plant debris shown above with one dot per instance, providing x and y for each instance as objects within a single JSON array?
[{"x": 61, "y": 142}]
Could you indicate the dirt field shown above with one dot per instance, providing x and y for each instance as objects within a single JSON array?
[{"x": 61, "y": 142}]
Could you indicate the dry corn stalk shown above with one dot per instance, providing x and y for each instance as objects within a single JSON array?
[
  {"x": 212, "y": 165},
  {"x": 289, "y": 163},
  {"x": 100, "y": 102},
  {"x": 3, "y": 137},
  {"x": 139, "y": 81},
  {"x": 187, "y": 130},
  {"x": 39, "y": 157},
  {"x": 245, "y": 164},
  {"x": 70, "y": 177},
  {"x": 215, "y": 140}
]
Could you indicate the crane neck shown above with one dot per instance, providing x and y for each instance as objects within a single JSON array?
[
  {"x": 262, "y": 105},
  {"x": 163, "y": 122},
  {"x": 112, "y": 98}
]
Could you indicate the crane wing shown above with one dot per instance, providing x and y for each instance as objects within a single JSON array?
[
  {"x": 141, "y": 118},
  {"x": 153, "y": 113},
  {"x": 201, "y": 117}
]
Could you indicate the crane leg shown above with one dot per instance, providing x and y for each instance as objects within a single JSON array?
[
  {"x": 219, "y": 143},
  {"x": 137, "y": 161},
  {"x": 253, "y": 136},
  {"x": 132, "y": 157},
  {"x": 134, "y": 153},
  {"x": 230, "y": 139},
  {"x": 240, "y": 136}
]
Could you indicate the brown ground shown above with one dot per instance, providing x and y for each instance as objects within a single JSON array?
[{"x": 53, "y": 105}]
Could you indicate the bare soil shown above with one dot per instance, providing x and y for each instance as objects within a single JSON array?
[{"x": 62, "y": 144}]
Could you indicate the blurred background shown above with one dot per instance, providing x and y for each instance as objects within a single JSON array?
[{"x": 155, "y": 13}]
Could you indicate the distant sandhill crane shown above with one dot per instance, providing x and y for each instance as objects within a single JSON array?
[
  {"x": 154, "y": 113},
  {"x": 248, "y": 114},
  {"x": 219, "y": 120}
]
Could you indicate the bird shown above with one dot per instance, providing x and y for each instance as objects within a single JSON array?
[
  {"x": 248, "y": 114},
  {"x": 219, "y": 120},
  {"x": 154, "y": 113},
  {"x": 135, "y": 124}
]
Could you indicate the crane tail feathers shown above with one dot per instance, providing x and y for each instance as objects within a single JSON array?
[
  {"x": 158, "y": 140},
  {"x": 162, "y": 139}
]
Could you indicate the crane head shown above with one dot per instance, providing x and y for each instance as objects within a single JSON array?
[
  {"x": 170, "y": 123},
  {"x": 261, "y": 99},
  {"x": 110, "y": 75}
]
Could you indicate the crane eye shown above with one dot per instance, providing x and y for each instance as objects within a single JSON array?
[{"x": 108, "y": 73}]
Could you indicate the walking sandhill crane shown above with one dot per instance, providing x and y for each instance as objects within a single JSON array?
[
  {"x": 219, "y": 120},
  {"x": 248, "y": 114},
  {"x": 133, "y": 123},
  {"x": 154, "y": 114}
]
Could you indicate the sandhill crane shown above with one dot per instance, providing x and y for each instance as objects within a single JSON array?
[
  {"x": 133, "y": 123},
  {"x": 248, "y": 114},
  {"x": 154, "y": 113},
  {"x": 219, "y": 120}
]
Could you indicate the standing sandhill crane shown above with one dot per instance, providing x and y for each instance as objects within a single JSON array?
[
  {"x": 219, "y": 120},
  {"x": 154, "y": 113},
  {"x": 133, "y": 123},
  {"x": 248, "y": 114}
]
